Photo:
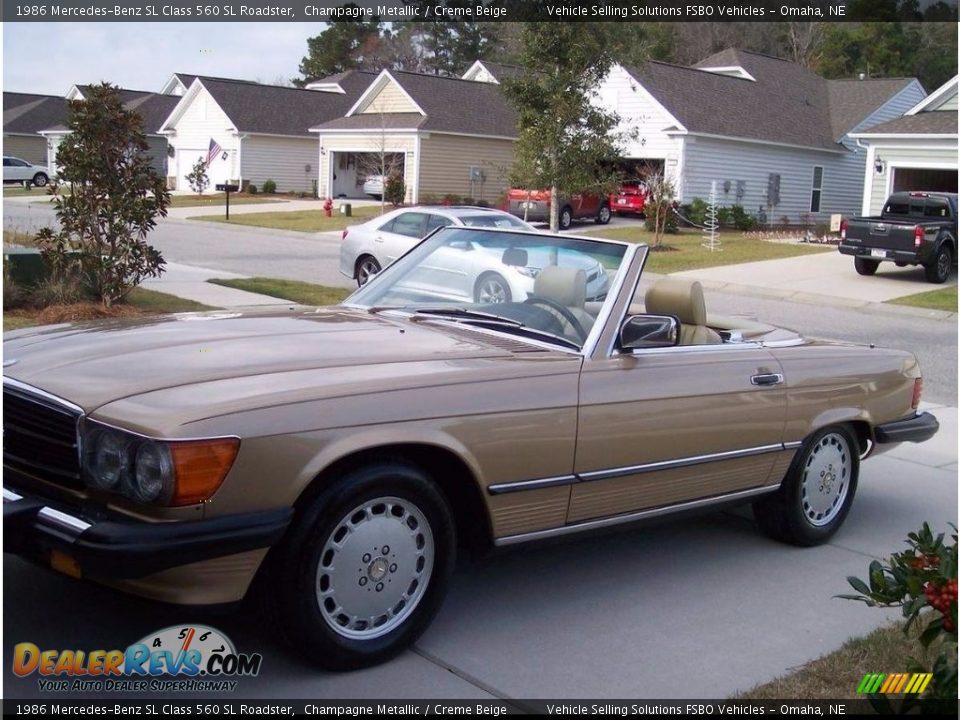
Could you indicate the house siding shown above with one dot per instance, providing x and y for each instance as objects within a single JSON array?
[
  {"x": 950, "y": 102},
  {"x": 637, "y": 110},
  {"x": 202, "y": 120},
  {"x": 708, "y": 159},
  {"x": 283, "y": 160},
  {"x": 330, "y": 144},
  {"x": 445, "y": 162},
  {"x": 32, "y": 149},
  {"x": 156, "y": 151},
  {"x": 905, "y": 154},
  {"x": 390, "y": 99}
]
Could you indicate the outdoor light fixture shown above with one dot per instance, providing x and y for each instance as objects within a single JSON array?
[{"x": 878, "y": 166}]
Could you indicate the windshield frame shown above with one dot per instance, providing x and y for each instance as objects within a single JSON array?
[{"x": 627, "y": 262}]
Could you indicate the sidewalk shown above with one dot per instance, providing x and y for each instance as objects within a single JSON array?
[
  {"x": 189, "y": 282},
  {"x": 281, "y": 204}
]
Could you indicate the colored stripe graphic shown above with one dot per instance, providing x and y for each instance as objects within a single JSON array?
[{"x": 894, "y": 683}]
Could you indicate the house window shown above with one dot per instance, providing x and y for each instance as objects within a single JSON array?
[{"x": 817, "y": 189}]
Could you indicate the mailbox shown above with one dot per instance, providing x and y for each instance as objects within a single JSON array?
[{"x": 227, "y": 188}]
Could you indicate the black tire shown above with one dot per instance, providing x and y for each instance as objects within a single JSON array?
[
  {"x": 866, "y": 266},
  {"x": 603, "y": 215},
  {"x": 900, "y": 263},
  {"x": 383, "y": 503},
  {"x": 40, "y": 179},
  {"x": 492, "y": 288},
  {"x": 939, "y": 270},
  {"x": 793, "y": 514},
  {"x": 367, "y": 266},
  {"x": 566, "y": 218}
]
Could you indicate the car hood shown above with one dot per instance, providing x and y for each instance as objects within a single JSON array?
[{"x": 94, "y": 364}]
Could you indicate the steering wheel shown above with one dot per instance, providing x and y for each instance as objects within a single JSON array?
[{"x": 564, "y": 312}]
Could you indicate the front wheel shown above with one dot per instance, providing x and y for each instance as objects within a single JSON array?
[
  {"x": 817, "y": 491},
  {"x": 492, "y": 289},
  {"x": 367, "y": 267},
  {"x": 939, "y": 270},
  {"x": 603, "y": 215},
  {"x": 40, "y": 180},
  {"x": 865, "y": 266},
  {"x": 365, "y": 567}
]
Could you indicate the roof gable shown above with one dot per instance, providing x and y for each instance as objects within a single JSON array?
[
  {"x": 943, "y": 98},
  {"x": 491, "y": 72}
]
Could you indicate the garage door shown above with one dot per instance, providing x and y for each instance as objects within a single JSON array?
[
  {"x": 218, "y": 171},
  {"x": 924, "y": 179}
]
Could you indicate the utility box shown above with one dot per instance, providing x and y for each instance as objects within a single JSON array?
[
  {"x": 346, "y": 209},
  {"x": 476, "y": 173}
]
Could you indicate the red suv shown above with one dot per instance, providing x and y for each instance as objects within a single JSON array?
[
  {"x": 630, "y": 198},
  {"x": 534, "y": 206}
]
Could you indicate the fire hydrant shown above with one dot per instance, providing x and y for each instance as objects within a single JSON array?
[{"x": 328, "y": 207}]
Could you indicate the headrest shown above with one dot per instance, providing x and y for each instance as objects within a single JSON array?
[
  {"x": 517, "y": 257},
  {"x": 676, "y": 296},
  {"x": 567, "y": 286}
]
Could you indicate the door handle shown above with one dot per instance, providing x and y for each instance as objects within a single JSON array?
[
  {"x": 378, "y": 239},
  {"x": 766, "y": 379}
]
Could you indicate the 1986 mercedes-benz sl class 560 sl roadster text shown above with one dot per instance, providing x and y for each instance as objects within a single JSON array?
[{"x": 337, "y": 457}]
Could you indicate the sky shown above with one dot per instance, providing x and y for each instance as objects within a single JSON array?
[{"x": 48, "y": 58}]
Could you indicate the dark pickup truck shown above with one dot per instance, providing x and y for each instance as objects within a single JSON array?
[{"x": 915, "y": 228}]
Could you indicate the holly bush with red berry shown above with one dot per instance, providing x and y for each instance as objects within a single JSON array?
[{"x": 921, "y": 580}]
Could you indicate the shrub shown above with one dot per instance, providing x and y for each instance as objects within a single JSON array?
[
  {"x": 429, "y": 199},
  {"x": 269, "y": 187},
  {"x": 483, "y": 203},
  {"x": 697, "y": 211},
  {"x": 724, "y": 216},
  {"x": 107, "y": 174},
  {"x": 394, "y": 190},
  {"x": 467, "y": 200},
  {"x": 452, "y": 199},
  {"x": 197, "y": 177},
  {"x": 13, "y": 295},
  {"x": 742, "y": 220},
  {"x": 922, "y": 582},
  {"x": 252, "y": 189}
]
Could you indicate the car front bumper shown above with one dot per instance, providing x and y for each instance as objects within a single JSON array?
[
  {"x": 119, "y": 550},
  {"x": 916, "y": 428}
]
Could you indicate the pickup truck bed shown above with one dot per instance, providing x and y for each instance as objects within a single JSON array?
[{"x": 915, "y": 228}]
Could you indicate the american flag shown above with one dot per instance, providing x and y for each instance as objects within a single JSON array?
[{"x": 213, "y": 151}]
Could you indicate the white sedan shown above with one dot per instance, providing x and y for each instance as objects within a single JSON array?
[
  {"x": 20, "y": 171},
  {"x": 487, "y": 277}
]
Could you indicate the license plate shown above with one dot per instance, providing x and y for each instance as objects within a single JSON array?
[
  {"x": 621, "y": 201},
  {"x": 527, "y": 205},
  {"x": 878, "y": 253}
]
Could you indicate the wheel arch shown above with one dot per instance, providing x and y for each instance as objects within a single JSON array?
[
  {"x": 855, "y": 419},
  {"x": 456, "y": 476}
]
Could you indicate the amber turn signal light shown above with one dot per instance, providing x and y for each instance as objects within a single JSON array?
[{"x": 200, "y": 467}]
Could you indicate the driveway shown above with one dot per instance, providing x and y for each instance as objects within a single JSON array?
[
  {"x": 808, "y": 277},
  {"x": 701, "y": 607}
]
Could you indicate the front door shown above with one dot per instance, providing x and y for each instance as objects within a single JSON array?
[{"x": 671, "y": 425}]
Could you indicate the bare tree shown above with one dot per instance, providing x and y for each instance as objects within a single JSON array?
[
  {"x": 381, "y": 161},
  {"x": 661, "y": 194},
  {"x": 803, "y": 42}
]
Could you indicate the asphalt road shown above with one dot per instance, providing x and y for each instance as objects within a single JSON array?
[
  {"x": 692, "y": 608},
  {"x": 315, "y": 258}
]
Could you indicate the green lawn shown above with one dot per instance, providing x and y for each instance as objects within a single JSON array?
[
  {"x": 293, "y": 290},
  {"x": 688, "y": 253},
  {"x": 219, "y": 200},
  {"x": 20, "y": 191},
  {"x": 310, "y": 221},
  {"x": 139, "y": 302},
  {"x": 942, "y": 299}
]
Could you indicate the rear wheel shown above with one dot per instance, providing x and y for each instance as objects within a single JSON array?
[
  {"x": 817, "y": 491},
  {"x": 367, "y": 267},
  {"x": 566, "y": 218},
  {"x": 491, "y": 289},
  {"x": 603, "y": 215},
  {"x": 365, "y": 567},
  {"x": 939, "y": 270},
  {"x": 865, "y": 266}
]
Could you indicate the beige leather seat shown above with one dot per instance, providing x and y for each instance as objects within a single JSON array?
[
  {"x": 568, "y": 287},
  {"x": 684, "y": 299}
]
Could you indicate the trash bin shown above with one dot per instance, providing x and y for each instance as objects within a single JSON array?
[{"x": 346, "y": 209}]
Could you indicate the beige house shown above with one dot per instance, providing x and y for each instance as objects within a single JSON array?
[
  {"x": 917, "y": 151},
  {"x": 24, "y": 116},
  {"x": 449, "y": 136}
]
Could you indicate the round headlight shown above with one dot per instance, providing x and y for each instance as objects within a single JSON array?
[
  {"x": 106, "y": 458},
  {"x": 153, "y": 472}
]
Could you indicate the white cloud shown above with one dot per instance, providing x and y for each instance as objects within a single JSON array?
[{"x": 48, "y": 58}]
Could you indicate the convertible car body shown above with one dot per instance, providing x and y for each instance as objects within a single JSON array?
[{"x": 339, "y": 455}]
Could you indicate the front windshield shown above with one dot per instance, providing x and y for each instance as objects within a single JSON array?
[{"x": 541, "y": 286}]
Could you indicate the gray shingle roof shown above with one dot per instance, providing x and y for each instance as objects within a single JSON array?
[
  {"x": 852, "y": 101},
  {"x": 276, "y": 110},
  {"x": 785, "y": 103},
  {"x": 24, "y": 113},
  {"x": 937, "y": 122}
]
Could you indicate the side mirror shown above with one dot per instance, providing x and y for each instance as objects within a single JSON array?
[
  {"x": 641, "y": 332},
  {"x": 460, "y": 245}
]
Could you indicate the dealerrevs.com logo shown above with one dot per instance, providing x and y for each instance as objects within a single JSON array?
[{"x": 184, "y": 658}]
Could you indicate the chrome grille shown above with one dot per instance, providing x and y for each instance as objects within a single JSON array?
[{"x": 40, "y": 436}]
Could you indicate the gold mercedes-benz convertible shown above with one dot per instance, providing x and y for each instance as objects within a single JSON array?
[{"x": 335, "y": 458}]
